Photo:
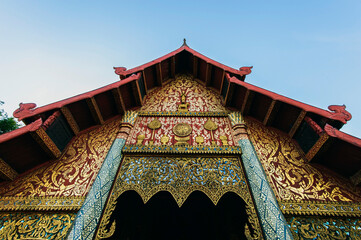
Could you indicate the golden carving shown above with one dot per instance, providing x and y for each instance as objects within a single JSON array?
[
  {"x": 180, "y": 176},
  {"x": 224, "y": 140},
  {"x": 181, "y": 140},
  {"x": 40, "y": 203},
  {"x": 183, "y": 114},
  {"x": 35, "y": 225},
  {"x": 155, "y": 124},
  {"x": 183, "y": 106},
  {"x": 199, "y": 140},
  {"x": 140, "y": 139},
  {"x": 164, "y": 139},
  {"x": 321, "y": 208},
  {"x": 7, "y": 172},
  {"x": 168, "y": 123},
  {"x": 182, "y": 129},
  {"x": 73, "y": 173},
  {"x": 290, "y": 174},
  {"x": 150, "y": 149},
  {"x": 199, "y": 98},
  {"x": 324, "y": 228},
  {"x": 236, "y": 118},
  {"x": 211, "y": 126},
  {"x": 129, "y": 117}
]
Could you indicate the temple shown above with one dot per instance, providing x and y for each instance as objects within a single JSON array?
[{"x": 181, "y": 147}]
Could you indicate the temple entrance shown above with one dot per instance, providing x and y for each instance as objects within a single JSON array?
[{"x": 161, "y": 218}]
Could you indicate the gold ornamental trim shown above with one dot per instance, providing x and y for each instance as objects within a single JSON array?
[
  {"x": 183, "y": 149},
  {"x": 344, "y": 209},
  {"x": 183, "y": 114},
  {"x": 182, "y": 129},
  {"x": 41, "y": 203}
]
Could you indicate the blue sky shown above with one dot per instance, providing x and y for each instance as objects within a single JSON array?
[{"x": 309, "y": 51}]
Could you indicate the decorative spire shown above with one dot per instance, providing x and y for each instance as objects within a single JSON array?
[{"x": 184, "y": 43}]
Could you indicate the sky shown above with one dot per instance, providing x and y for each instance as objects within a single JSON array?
[{"x": 306, "y": 50}]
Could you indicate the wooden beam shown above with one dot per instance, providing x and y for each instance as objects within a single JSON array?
[
  {"x": 356, "y": 178},
  {"x": 226, "y": 99},
  {"x": 195, "y": 66},
  {"x": 70, "y": 119},
  {"x": 297, "y": 123},
  {"x": 118, "y": 100},
  {"x": 245, "y": 99},
  {"x": 7, "y": 173},
  {"x": 94, "y": 109},
  {"x": 269, "y": 112},
  {"x": 317, "y": 146},
  {"x": 222, "y": 80},
  {"x": 145, "y": 82},
  {"x": 139, "y": 94},
  {"x": 159, "y": 74},
  {"x": 172, "y": 67},
  {"x": 46, "y": 143},
  {"x": 208, "y": 74}
]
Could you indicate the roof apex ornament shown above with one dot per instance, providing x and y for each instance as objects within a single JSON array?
[
  {"x": 121, "y": 71},
  {"x": 245, "y": 70},
  {"x": 24, "y": 110},
  {"x": 340, "y": 113},
  {"x": 184, "y": 43}
]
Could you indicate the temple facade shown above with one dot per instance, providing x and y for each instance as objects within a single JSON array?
[{"x": 181, "y": 147}]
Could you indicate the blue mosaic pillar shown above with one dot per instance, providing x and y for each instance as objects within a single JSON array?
[
  {"x": 87, "y": 218},
  {"x": 272, "y": 220}
]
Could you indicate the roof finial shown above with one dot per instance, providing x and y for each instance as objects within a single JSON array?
[{"x": 184, "y": 42}]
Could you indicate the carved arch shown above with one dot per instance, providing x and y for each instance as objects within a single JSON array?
[{"x": 149, "y": 175}]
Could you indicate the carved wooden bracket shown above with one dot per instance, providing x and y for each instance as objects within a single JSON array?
[
  {"x": 6, "y": 172},
  {"x": 297, "y": 123},
  {"x": 70, "y": 119},
  {"x": 43, "y": 139},
  {"x": 94, "y": 109}
]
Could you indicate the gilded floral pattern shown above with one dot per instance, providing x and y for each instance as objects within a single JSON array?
[
  {"x": 180, "y": 176},
  {"x": 73, "y": 173},
  {"x": 197, "y": 96},
  {"x": 324, "y": 228},
  {"x": 167, "y": 124},
  {"x": 35, "y": 225},
  {"x": 289, "y": 174}
]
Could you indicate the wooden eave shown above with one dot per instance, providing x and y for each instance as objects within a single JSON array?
[
  {"x": 27, "y": 147},
  {"x": 339, "y": 152}
]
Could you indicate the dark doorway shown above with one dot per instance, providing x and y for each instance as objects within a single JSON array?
[{"x": 161, "y": 218}]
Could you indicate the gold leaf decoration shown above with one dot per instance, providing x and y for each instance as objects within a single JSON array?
[
  {"x": 290, "y": 175},
  {"x": 35, "y": 225}
]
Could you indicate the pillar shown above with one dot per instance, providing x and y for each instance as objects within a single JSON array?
[
  {"x": 87, "y": 218},
  {"x": 272, "y": 220}
]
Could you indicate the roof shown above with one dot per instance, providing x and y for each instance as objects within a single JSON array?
[{"x": 92, "y": 108}]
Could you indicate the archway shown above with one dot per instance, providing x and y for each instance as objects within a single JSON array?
[{"x": 161, "y": 217}]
